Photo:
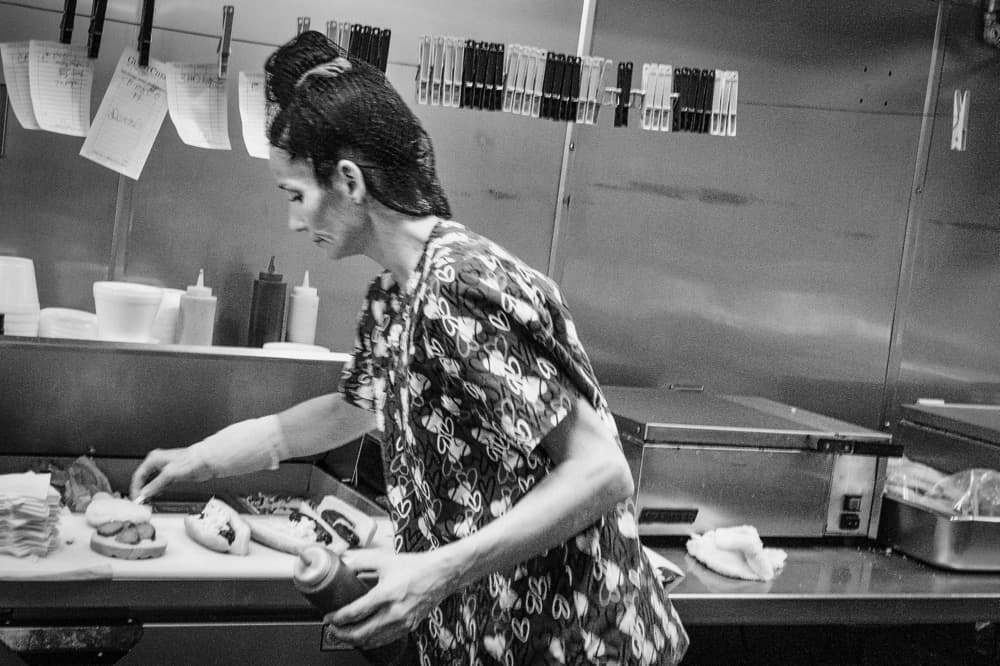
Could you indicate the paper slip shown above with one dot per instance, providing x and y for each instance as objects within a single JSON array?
[
  {"x": 26, "y": 484},
  {"x": 129, "y": 117},
  {"x": 60, "y": 77},
  {"x": 196, "y": 98},
  {"x": 253, "y": 113},
  {"x": 15, "y": 75}
]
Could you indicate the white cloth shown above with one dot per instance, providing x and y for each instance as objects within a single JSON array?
[
  {"x": 736, "y": 552},
  {"x": 244, "y": 447}
]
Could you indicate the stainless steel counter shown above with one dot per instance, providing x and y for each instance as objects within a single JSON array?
[
  {"x": 835, "y": 585},
  {"x": 819, "y": 585}
]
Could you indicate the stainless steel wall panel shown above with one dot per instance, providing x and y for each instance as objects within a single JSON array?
[
  {"x": 950, "y": 340},
  {"x": 765, "y": 263},
  {"x": 220, "y": 210},
  {"x": 55, "y": 207}
]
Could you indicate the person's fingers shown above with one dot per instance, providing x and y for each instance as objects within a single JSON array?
[
  {"x": 358, "y": 610},
  {"x": 147, "y": 468},
  {"x": 158, "y": 483}
]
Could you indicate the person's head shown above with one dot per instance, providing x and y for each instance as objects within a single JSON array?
[{"x": 342, "y": 138}]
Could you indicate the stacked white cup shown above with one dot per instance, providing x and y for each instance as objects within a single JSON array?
[{"x": 18, "y": 296}]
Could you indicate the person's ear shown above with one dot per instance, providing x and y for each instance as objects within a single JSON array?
[{"x": 353, "y": 180}]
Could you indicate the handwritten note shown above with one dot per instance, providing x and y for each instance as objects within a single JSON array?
[
  {"x": 196, "y": 97},
  {"x": 253, "y": 113},
  {"x": 129, "y": 117},
  {"x": 15, "y": 75},
  {"x": 60, "y": 77}
]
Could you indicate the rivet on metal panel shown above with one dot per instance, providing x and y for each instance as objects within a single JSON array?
[
  {"x": 572, "y": 145},
  {"x": 566, "y": 200},
  {"x": 918, "y": 189}
]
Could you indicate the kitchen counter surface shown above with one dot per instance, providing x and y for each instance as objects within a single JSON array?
[
  {"x": 819, "y": 585},
  {"x": 836, "y": 585}
]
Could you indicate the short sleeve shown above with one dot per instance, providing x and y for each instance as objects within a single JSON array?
[
  {"x": 360, "y": 380},
  {"x": 491, "y": 348}
]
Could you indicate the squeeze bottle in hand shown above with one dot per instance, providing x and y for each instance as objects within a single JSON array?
[
  {"x": 329, "y": 584},
  {"x": 196, "y": 316},
  {"x": 303, "y": 307}
]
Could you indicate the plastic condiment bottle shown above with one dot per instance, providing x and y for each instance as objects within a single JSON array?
[
  {"x": 329, "y": 584},
  {"x": 196, "y": 315},
  {"x": 267, "y": 310},
  {"x": 303, "y": 308}
]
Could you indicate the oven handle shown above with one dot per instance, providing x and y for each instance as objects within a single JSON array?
[{"x": 102, "y": 643}]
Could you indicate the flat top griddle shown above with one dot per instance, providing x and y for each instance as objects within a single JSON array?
[
  {"x": 670, "y": 416},
  {"x": 981, "y": 422}
]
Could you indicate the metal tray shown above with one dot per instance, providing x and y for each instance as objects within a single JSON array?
[{"x": 957, "y": 543}]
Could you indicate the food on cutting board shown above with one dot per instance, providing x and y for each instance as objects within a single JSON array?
[
  {"x": 297, "y": 530},
  {"x": 220, "y": 528},
  {"x": 271, "y": 504},
  {"x": 104, "y": 508},
  {"x": 78, "y": 483},
  {"x": 127, "y": 540},
  {"x": 350, "y": 523}
]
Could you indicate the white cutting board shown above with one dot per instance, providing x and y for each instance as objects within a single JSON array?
[{"x": 184, "y": 559}]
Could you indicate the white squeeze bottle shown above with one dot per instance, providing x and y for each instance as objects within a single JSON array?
[
  {"x": 196, "y": 319},
  {"x": 302, "y": 311}
]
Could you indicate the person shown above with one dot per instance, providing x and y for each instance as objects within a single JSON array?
[{"x": 515, "y": 540}]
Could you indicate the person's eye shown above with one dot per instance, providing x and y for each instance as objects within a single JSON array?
[{"x": 294, "y": 198}]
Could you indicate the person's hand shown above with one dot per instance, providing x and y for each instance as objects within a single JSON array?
[
  {"x": 165, "y": 466},
  {"x": 410, "y": 586}
]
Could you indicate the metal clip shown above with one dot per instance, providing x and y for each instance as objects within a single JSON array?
[
  {"x": 303, "y": 23},
  {"x": 959, "y": 119},
  {"x": 225, "y": 42},
  {"x": 66, "y": 26},
  {"x": 145, "y": 31},
  {"x": 96, "y": 29}
]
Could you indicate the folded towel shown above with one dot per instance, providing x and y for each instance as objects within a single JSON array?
[{"x": 736, "y": 552}]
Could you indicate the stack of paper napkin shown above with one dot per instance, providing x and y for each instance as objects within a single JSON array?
[
  {"x": 29, "y": 514},
  {"x": 736, "y": 552}
]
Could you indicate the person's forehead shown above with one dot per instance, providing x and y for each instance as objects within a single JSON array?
[{"x": 287, "y": 169}]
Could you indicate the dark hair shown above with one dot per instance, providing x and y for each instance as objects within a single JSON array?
[{"x": 348, "y": 110}]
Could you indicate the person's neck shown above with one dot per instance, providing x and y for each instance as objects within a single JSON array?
[{"x": 399, "y": 241}]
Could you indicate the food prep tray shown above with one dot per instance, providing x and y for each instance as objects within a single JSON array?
[{"x": 950, "y": 542}]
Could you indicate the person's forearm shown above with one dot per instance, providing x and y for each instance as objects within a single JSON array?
[
  {"x": 311, "y": 427},
  {"x": 321, "y": 424},
  {"x": 573, "y": 496}
]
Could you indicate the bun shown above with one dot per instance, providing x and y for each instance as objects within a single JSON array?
[{"x": 104, "y": 508}]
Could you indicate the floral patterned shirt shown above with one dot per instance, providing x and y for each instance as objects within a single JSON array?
[{"x": 467, "y": 369}]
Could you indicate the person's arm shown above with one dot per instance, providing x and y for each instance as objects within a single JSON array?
[
  {"x": 311, "y": 427},
  {"x": 590, "y": 476}
]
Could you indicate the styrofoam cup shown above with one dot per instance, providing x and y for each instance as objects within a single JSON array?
[{"x": 18, "y": 290}]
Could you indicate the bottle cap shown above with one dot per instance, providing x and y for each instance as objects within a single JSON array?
[
  {"x": 314, "y": 566},
  {"x": 270, "y": 275},
  {"x": 199, "y": 289},
  {"x": 304, "y": 289}
]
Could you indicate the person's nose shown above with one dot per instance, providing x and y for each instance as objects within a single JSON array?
[{"x": 295, "y": 224}]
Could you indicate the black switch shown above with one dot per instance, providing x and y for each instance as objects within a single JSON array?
[
  {"x": 852, "y": 503},
  {"x": 850, "y": 521}
]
